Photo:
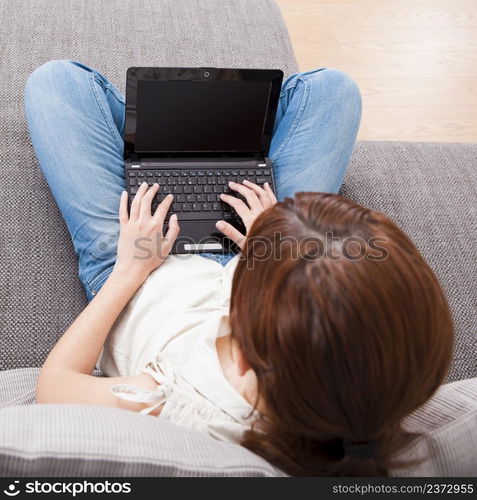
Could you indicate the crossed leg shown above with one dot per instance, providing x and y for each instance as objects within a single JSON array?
[{"x": 76, "y": 120}]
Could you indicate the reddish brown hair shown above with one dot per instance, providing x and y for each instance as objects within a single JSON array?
[{"x": 347, "y": 335}]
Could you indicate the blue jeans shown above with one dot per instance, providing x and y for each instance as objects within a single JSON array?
[{"x": 76, "y": 121}]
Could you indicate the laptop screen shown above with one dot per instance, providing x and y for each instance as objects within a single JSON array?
[{"x": 200, "y": 116}]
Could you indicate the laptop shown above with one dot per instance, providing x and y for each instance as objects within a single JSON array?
[{"x": 192, "y": 130}]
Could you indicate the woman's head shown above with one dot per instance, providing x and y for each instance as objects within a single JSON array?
[{"x": 346, "y": 328}]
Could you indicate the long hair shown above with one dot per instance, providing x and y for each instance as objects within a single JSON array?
[{"x": 345, "y": 326}]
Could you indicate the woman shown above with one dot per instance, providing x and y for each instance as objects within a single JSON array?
[{"x": 336, "y": 329}]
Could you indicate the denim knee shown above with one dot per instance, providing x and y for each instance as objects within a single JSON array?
[
  {"x": 338, "y": 81},
  {"x": 49, "y": 76}
]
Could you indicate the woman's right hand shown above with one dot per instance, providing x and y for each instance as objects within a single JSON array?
[
  {"x": 258, "y": 200},
  {"x": 142, "y": 247}
]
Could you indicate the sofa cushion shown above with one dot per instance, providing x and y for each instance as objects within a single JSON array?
[
  {"x": 80, "y": 440},
  {"x": 74, "y": 440},
  {"x": 447, "y": 425},
  {"x": 430, "y": 191}
]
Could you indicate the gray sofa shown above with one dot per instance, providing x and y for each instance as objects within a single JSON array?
[{"x": 430, "y": 190}]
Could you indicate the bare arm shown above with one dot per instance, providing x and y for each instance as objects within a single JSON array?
[{"x": 66, "y": 375}]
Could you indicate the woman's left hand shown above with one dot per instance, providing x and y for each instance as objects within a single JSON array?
[
  {"x": 258, "y": 200},
  {"x": 142, "y": 248}
]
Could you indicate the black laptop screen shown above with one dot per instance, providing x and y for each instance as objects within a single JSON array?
[{"x": 202, "y": 116}]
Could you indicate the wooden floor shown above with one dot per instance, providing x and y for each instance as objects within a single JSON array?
[{"x": 415, "y": 61}]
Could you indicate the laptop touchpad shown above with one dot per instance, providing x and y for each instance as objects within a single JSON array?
[{"x": 202, "y": 236}]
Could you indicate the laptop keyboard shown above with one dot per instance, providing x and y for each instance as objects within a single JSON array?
[{"x": 196, "y": 192}]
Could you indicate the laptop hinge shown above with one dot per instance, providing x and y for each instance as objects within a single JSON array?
[{"x": 134, "y": 161}]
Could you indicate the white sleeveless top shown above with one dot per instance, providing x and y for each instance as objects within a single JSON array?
[{"x": 168, "y": 330}]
